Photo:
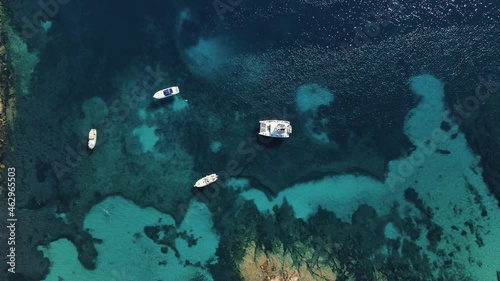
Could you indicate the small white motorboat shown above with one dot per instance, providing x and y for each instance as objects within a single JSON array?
[
  {"x": 206, "y": 180},
  {"x": 165, "y": 93},
  {"x": 275, "y": 128},
  {"x": 92, "y": 138}
]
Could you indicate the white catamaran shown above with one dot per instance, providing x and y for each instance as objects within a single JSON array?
[{"x": 275, "y": 128}]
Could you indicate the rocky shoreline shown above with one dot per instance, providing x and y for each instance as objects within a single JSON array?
[
  {"x": 7, "y": 120},
  {"x": 7, "y": 99}
]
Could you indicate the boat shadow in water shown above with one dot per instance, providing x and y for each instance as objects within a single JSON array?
[
  {"x": 157, "y": 104},
  {"x": 268, "y": 142}
]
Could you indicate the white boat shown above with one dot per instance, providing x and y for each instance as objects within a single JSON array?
[
  {"x": 275, "y": 128},
  {"x": 92, "y": 138},
  {"x": 165, "y": 93},
  {"x": 206, "y": 180}
]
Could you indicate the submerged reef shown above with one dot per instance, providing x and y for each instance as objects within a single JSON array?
[
  {"x": 278, "y": 265},
  {"x": 261, "y": 247},
  {"x": 476, "y": 110}
]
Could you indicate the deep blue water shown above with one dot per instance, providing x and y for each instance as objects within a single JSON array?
[{"x": 236, "y": 67}]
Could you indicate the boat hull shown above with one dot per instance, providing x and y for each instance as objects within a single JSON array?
[
  {"x": 92, "y": 138},
  {"x": 167, "y": 92},
  {"x": 206, "y": 180}
]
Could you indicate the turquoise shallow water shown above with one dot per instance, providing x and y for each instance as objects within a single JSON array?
[{"x": 390, "y": 173}]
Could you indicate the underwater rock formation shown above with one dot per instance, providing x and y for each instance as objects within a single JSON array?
[
  {"x": 278, "y": 265},
  {"x": 369, "y": 247},
  {"x": 477, "y": 113}
]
